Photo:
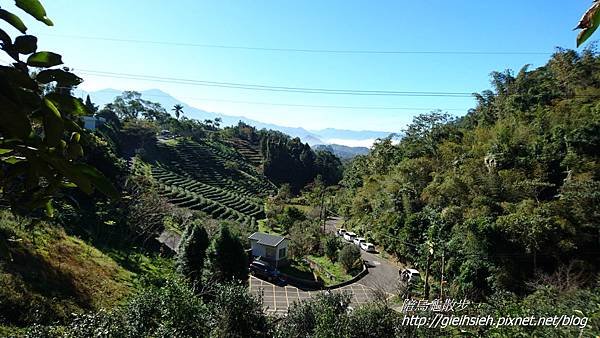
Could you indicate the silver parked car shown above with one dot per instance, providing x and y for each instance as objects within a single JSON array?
[
  {"x": 349, "y": 236},
  {"x": 410, "y": 276},
  {"x": 368, "y": 247},
  {"x": 358, "y": 240}
]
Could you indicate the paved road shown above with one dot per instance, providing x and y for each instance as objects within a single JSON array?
[
  {"x": 383, "y": 274},
  {"x": 277, "y": 299}
]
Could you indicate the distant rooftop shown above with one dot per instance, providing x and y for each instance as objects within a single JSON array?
[
  {"x": 171, "y": 239},
  {"x": 266, "y": 239}
]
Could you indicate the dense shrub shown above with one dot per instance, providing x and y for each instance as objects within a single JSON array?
[
  {"x": 349, "y": 256},
  {"x": 331, "y": 247}
]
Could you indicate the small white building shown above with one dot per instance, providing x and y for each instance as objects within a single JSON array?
[
  {"x": 93, "y": 122},
  {"x": 270, "y": 248}
]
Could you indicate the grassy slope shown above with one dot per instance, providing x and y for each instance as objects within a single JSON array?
[{"x": 46, "y": 275}]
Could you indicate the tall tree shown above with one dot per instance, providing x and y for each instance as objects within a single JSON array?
[
  {"x": 192, "y": 252},
  {"x": 228, "y": 258},
  {"x": 91, "y": 107},
  {"x": 178, "y": 110}
]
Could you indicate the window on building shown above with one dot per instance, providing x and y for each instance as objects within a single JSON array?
[
  {"x": 270, "y": 252},
  {"x": 282, "y": 252}
]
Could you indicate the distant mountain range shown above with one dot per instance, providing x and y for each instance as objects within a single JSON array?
[
  {"x": 343, "y": 152},
  {"x": 345, "y": 140}
]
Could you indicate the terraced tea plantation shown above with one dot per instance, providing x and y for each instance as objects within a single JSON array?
[
  {"x": 212, "y": 178},
  {"x": 250, "y": 152}
]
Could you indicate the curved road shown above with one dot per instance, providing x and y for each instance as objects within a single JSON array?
[{"x": 382, "y": 276}]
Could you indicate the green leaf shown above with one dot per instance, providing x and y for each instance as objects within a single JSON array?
[
  {"x": 44, "y": 59},
  {"x": 75, "y": 137},
  {"x": 589, "y": 23},
  {"x": 53, "y": 123},
  {"x": 70, "y": 125},
  {"x": 68, "y": 104},
  {"x": 67, "y": 170},
  {"x": 63, "y": 78},
  {"x": 98, "y": 180},
  {"x": 49, "y": 208},
  {"x": 13, "y": 159},
  {"x": 13, "y": 20},
  {"x": 69, "y": 185},
  {"x": 35, "y": 9},
  {"x": 84, "y": 176},
  {"x": 5, "y": 151},
  {"x": 25, "y": 44}
]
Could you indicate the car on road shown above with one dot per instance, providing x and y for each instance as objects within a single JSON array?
[
  {"x": 368, "y": 247},
  {"x": 341, "y": 232},
  {"x": 262, "y": 269},
  {"x": 349, "y": 236},
  {"x": 410, "y": 276},
  {"x": 358, "y": 240}
]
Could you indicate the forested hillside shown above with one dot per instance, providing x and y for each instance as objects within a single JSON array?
[{"x": 508, "y": 194}]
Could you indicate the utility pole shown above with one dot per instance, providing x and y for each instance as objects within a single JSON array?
[
  {"x": 442, "y": 278},
  {"x": 323, "y": 214},
  {"x": 429, "y": 253}
]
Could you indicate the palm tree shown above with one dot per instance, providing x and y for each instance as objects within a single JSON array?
[{"x": 178, "y": 109}]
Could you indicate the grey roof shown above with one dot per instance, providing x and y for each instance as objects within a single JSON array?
[
  {"x": 266, "y": 239},
  {"x": 170, "y": 238}
]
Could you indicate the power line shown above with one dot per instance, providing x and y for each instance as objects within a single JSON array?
[
  {"x": 308, "y": 105},
  {"x": 298, "y": 50},
  {"x": 304, "y": 90}
]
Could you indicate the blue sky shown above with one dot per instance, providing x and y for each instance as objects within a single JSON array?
[{"x": 440, "y": 26}]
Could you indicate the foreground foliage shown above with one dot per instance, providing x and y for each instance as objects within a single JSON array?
[{"x": 40, "y": 134}]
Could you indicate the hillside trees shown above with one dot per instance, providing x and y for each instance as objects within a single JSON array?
[
  {"x": 288, "y": 160},
  {"x": 328, "y": 166},
  {"x": 505, "y": 191},
  {"x": 130, "y": 105}
]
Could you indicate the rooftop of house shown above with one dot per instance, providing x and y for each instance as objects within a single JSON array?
[
  {"x": 170, "y": 238},
  {"x": 266, "y": 239}
]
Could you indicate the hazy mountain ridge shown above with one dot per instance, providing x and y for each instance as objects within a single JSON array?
[
  {"x": 312, "y": 137},
  {"x": 341, "y": 151}
]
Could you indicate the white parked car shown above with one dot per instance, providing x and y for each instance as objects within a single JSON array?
[
  {"x": 410, "y": 276},
  {"x": 349, "y": 236},
  {"x": 368, "y": 247},
  {"x": 359, "y": 240},
  {"x": 341, "y": 232}
]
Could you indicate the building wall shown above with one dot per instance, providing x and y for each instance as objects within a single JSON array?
[
  {"x": 260, "y": 250},
  {"x": 257, "y": 250},
  {"x": 283, "y": 245}
]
